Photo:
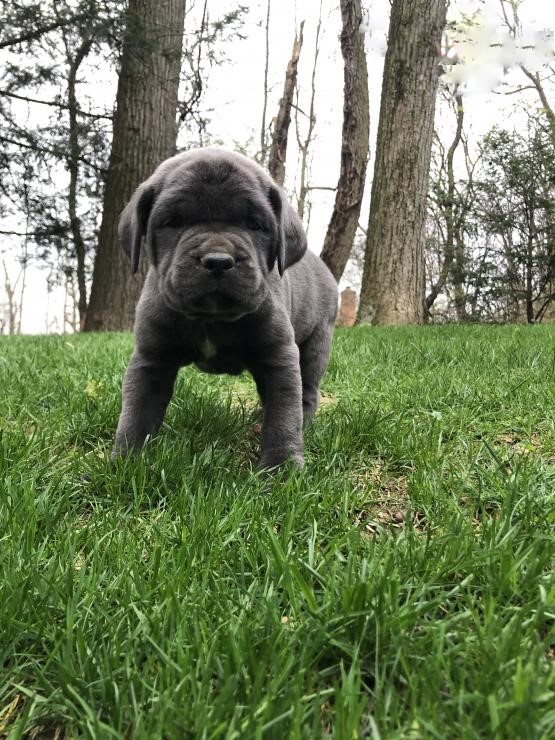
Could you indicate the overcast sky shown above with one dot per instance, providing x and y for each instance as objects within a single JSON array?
[{"x": 234, "y": 93}]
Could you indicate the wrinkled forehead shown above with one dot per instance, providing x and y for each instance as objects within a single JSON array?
[{"x": 213, "y": 190}]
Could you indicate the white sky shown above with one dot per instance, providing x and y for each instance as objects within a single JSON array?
[{"x": 234, "y": 91}]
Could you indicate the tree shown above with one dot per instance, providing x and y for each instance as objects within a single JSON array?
[
  {"x": 509, "y": 9},
  {"x": 10, "y": 312},
  {"x": 304, "y": 142},
  {"x": 263, "y": 152},
  {"x": 56, "y": 125},
  {"x": 28, "y": 22},
  {"x": 280, "y": 133},
  {"x": 449, "y": 203},
  {"x": 145, "y": 130},
  {"x": 392, "y": 290},
  {"x": 517, "y": 210},
  {"x": 46, "y": 47},
  {"x": 203, "y": 49},
  {"x": 341, "y": 231},
  {"x": 500, "y": 217}
]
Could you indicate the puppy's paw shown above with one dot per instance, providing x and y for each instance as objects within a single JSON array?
[
  {"x": 122, "y": 448},
  {"x": 118, "y": 453},
  {"x": 273, "y": 460}
]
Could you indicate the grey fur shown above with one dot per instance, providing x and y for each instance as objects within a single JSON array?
[{"x": 231, "y": 287}]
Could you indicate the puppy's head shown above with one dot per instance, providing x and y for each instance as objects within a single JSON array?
[{"x": 215, "y": 227}]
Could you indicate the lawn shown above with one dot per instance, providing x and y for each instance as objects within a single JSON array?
[{"x": 401, "y": 586}]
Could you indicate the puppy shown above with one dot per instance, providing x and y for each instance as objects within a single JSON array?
[{"x": 231, "y": 287}]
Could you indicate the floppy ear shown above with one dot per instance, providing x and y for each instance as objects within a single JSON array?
[
  {"x": 291, "y": 240},
  {"x": 133, "y": 223}
]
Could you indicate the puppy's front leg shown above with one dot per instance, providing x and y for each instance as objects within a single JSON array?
[
  {"x": 283, "y": 411},
  {"x": 147, "y": 389}
]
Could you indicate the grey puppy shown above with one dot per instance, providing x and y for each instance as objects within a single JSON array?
[{"x": 231, "y": 287}]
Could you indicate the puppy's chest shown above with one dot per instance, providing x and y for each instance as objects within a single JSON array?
[{"x": 215, "y": 354}]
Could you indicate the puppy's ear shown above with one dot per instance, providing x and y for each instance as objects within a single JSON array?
[
  {"x": 291, "y": 241},
  {"x": 133, "y": 223}
]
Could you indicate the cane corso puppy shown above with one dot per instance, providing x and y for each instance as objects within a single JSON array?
[{"x": 231, "y": 287}]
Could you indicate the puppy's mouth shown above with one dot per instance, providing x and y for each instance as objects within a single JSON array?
[
  {"x": 198, "y": 300},
  {"x": 216, "y": 306},
  {"x": 213, "y": 306}
]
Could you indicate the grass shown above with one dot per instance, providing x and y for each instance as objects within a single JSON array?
[{"x": 401, "y": 586}]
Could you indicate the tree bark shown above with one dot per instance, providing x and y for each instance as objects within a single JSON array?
[
  {"x": 393, "y": 287},
  {"x": 341, "y": 231},
  {"x": 145, "y": 131},
  {"x": 278, "y": 150}
]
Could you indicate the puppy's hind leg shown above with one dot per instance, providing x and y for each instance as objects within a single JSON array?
[{"x": 314, "y": 358}]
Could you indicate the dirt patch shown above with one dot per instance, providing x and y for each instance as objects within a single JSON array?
[
  {"x": 327, "y": 399},
  {"x": 388, "y": 504},
  {"x": 244, "y": 396},
  {"x": 520, "y": 444},
  {"x": 481, "y": 510}
]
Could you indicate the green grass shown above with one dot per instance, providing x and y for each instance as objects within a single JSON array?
[{"x": 401, "y": 586}]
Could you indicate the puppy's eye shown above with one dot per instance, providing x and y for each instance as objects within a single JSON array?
[
  {"x": 253, "y": 225},
  {"x": 173, "y": 222}
]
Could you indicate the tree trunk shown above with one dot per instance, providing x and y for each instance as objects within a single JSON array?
[
  {"x": 530, "y": 266},
  {"x": 261, "y": 158},
  {"x": 12, "y": 304},
  {"x": 459, "y": 270},
  {"x": 393, "y": 287},
  {"x": 145, "y": 131},
  {"x": 278, "y": 150},
  {"x": 73, "y": 158},
  {"x": 354, "y": 142},
  {"x": 304, "y": 145},
  {"x": 447, "y": 207},
  {"x": 23, "y": 274}
]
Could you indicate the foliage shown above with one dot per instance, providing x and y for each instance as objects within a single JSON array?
[
  {"x": 51, "y": 125},
  {"x": 503, "y": 221},
  {"x": 204, "y": 45},
  {"x": 517, "y": 209},
  {"x": 51, "y": 140},
  {"x": 400, "y": 586}
]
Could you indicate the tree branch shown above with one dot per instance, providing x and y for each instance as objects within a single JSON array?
[
  {"x": 41, "y": 31},
  {"x": 54, "y": 104},
  {"x": 36, "y": 147}
]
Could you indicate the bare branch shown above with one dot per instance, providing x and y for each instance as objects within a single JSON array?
[{"x": 54, "y": 104}]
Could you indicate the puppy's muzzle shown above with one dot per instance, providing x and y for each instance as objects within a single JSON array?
[{"x": 217, "y": 263}]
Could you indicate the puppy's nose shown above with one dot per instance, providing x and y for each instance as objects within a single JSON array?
[{"x": 217, "y": 262}]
